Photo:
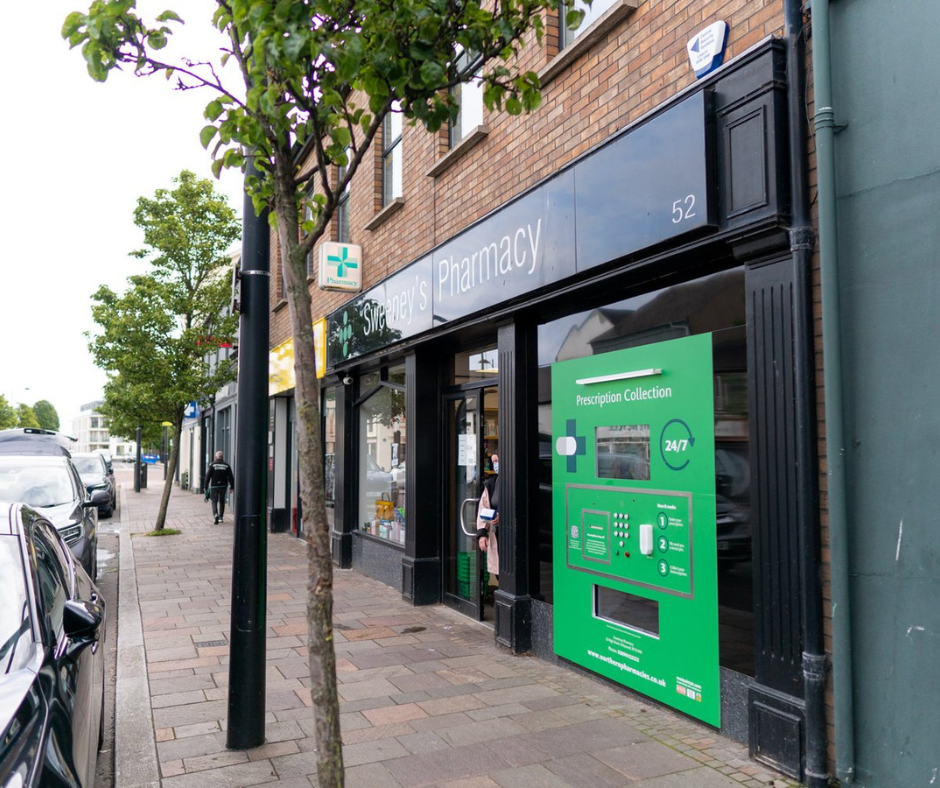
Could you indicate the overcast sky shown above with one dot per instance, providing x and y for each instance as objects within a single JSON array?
[{"x": 77, "y": 155}]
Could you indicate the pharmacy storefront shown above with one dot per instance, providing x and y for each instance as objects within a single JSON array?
[{"x": 613, "y": 352}]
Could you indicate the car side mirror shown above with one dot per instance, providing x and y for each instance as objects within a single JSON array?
[
  {"x": 81, "y": 621},
  {"x": 98, "y": 498}
]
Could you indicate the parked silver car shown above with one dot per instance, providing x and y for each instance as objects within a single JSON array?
[{"x": 51, "y": 485}]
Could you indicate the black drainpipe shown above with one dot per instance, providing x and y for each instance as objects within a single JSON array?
[{"x": 802, "y": 241}]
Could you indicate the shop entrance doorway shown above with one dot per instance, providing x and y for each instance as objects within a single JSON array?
[{"x": 471, "y": 415}]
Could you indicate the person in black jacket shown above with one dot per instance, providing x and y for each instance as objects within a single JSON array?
[{"x": 219, "y": 476}]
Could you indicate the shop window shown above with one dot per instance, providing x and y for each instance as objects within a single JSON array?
[
  {"x": 592, "y": 13},
  {"x": 475, "y": 366},
  {"x": 711, "y": 305},
  {"x": 469, "y": 98},
  {"x": 382, "y": 440},
  {"x": 392, "y": 155}
]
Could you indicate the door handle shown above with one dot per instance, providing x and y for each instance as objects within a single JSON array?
[{"x": 463, "y": 523}]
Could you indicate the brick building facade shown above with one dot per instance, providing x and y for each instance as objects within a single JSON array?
[{"x": 415, "y": 413}]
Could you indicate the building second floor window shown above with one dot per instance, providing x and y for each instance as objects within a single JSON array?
[
  {"x": 469, "y": 98},
  {"x": 591, "y": 15},
  {"x": 391, "y": 155},
  {"x": 342, "y": 206}
]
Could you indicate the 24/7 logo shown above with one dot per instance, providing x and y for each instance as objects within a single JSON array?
[{"x": 675, "y": 444}]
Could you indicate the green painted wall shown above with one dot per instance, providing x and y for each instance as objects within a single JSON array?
[{"x": 886, "y": 71}]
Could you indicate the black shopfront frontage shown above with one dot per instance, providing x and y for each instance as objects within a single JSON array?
[{"x": 441, "y": 375}]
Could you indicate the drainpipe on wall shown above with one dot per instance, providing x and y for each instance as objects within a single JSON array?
[
  {"x": 801, "y": 247},
  {"x": 824, "y": 129}
]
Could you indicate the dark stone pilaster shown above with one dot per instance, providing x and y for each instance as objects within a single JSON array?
[
  {"x": 517, "y": 430},
  {"x": 421, "y": 564}
]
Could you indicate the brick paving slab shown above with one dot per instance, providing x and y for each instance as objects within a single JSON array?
[{"x": 427, "y": 697}]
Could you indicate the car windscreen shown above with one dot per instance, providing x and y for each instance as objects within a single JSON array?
[
  {"x": 15, "y": 631},
  {"x": 38, "y": 485},
  {"x": 88, "y": 466}
]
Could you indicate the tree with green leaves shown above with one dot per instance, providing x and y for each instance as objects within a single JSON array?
[
  {"x": 46, "y": 415},
  {"x": 153, "y": 340},
  {"x": 320, "y": 76},
  {"x": 7, "y": 414},
  {"x": 25, "y": 417}
]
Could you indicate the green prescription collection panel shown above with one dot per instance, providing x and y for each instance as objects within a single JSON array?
[{"x": 635, "y": 569}]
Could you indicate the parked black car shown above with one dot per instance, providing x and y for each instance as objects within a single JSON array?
[
  {"x": 53, "y": 486},
  {"x": 109, "y": 462},
  {"x": 93, "y": 468},
  {"x": 31, "y": 440},
  {"x": 52, "y": 628}
]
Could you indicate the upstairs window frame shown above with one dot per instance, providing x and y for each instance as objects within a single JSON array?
[
  {"x": 469, "y": 96},
  {"x": 392, "y": 165}
]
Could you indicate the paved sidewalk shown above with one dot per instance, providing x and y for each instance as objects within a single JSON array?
[{"x": 427, "y": 698}]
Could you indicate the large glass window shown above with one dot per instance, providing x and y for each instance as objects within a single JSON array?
[
  {"x": 391, "y": 155},
  {"x": 714, "y": 304},
  {"x": 383, "y": 508}
]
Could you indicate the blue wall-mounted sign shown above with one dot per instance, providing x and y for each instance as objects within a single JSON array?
[
  {"x": 191, "y": 411},
  {"x": 707, "y": 48}
]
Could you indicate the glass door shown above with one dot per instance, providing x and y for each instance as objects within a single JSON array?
[
  {"x": 471, "y": 428},
  {"x": 463, "y": 586}
]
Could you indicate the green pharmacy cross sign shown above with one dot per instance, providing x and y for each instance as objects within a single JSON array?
[
  {"x": 343, "y": 260},
  {"x": 633, "y": 519},
  {"x": 340, "y": 267}
]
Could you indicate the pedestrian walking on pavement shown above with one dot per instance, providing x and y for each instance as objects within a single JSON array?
[{"x": 219, "y": 479}]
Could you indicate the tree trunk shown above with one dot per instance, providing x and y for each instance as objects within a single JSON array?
[
  {"x": 170, "y": 473},
  {"x": 320, "y": 651}
]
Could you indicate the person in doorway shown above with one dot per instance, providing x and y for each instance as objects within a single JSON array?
[
  {"x": 219, "y": 479},
  {"x": 488, "y": 519}
]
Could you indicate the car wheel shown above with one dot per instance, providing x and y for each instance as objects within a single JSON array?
[{"x": 107, "y": 512}]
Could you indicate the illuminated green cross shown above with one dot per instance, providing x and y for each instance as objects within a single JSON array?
[{"x": 341, "y": 261}]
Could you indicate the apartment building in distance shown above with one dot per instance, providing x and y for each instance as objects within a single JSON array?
[{"x": 90, "y": 430}]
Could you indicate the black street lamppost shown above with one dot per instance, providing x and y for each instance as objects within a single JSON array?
[{"x": 246, "y": 688}]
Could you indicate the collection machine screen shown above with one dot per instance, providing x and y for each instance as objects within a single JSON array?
[{"x": 635, "y": 574}]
